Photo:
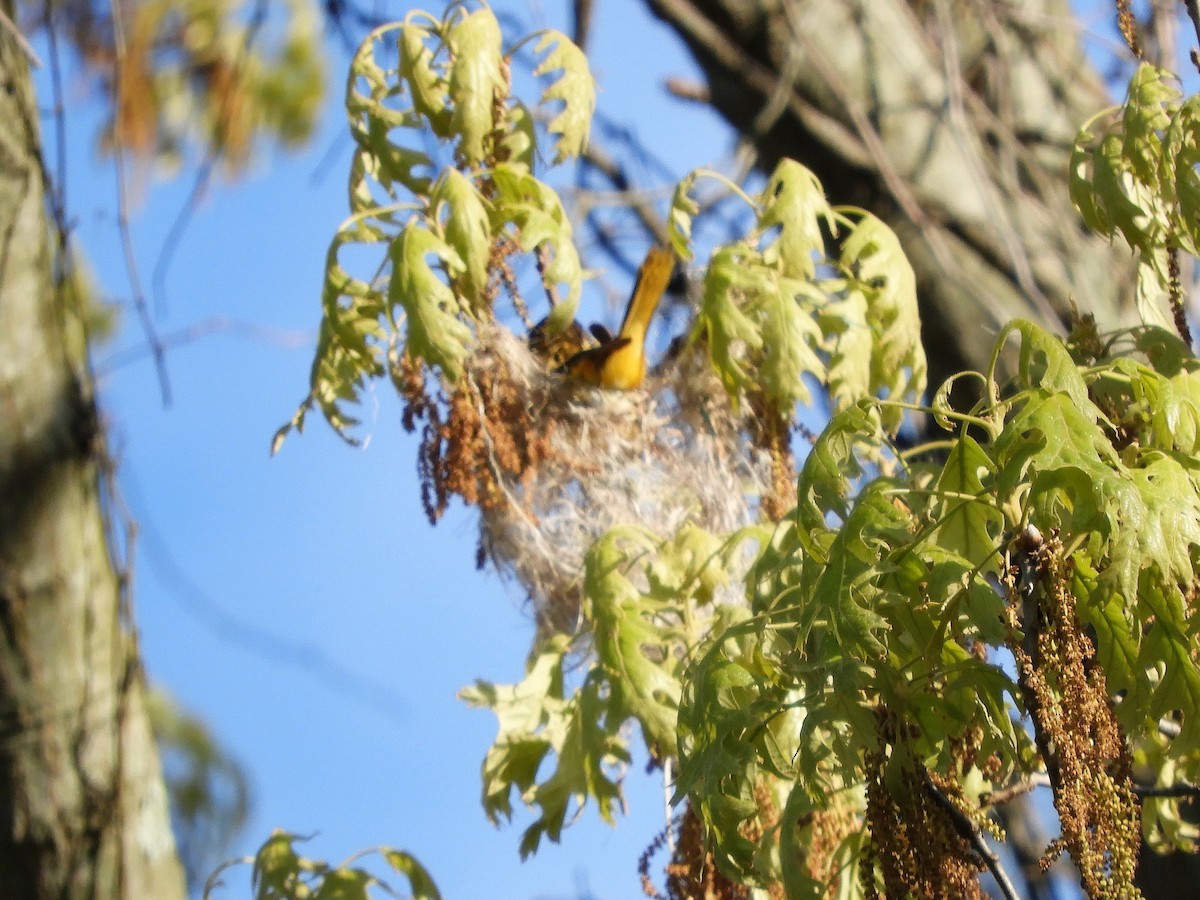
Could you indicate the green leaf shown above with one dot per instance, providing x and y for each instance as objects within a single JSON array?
[
  {"x": 872, "y": 255},
  {"x": 1121, "y": 179},
  {"x": 794, "y": 202},
  {"x": 1181, "y": 156},
  {"x": 373, "y": 120},
  {"x": 1149, "y": 105},
  {"x": 427, "y": 82},
  {"x": 537, "y": 212},
  {"x": 1117, "y": 648},
  {"x": 847, "y": 594},
  {"x": 851, "y": 341},
  {"x": 733, "y": 688},
  {"x": 1045, "y": 363},
  {"x": 351, "y": 339},
  {"x": 477, "y": 80},
  {"x": 790, "y": 338},
  {"x": 635, "y": 643},
  {"x": 344, "y": 884},
  {"x": 518, "y": 142},
  {"x": 679, "y": 219},
  {"x": 690, "y": 565},
  {"x": 466, "y": 230},
  {"x": 536, "y": 719},
  {"x": 277, "y": 867},
  {"x": 969, "y": 527},
  {"x": 575, "y": 88},
  {"x": 436, "y": 333},
  {"x": 735, "y": 278},
  {"x": 1168, "y": 649},
  {"x": 1057, "y": 452},
  {"x": 419, "y": 881},
  {"x": 827, "y": 480}
]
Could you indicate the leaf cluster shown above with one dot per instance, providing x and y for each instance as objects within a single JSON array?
[
  {"x": 1133, "y": 173},
  {"x": 641, "y": 635},
  {"x": 879, "y": 595},
  {"x": 814, "y": 294},
  {"x": 442, "y": 192},
  {"x": 278, "y": 872}
]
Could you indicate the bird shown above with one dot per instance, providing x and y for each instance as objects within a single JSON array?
[
  {"x": 554, "y": 350},
  {"x": 620, "y": 362}
]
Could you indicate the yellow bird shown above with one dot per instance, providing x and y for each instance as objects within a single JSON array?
[{"x": 620, "y": 362}]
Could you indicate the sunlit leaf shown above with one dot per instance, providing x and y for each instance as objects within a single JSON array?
[
  {"x": 575, "y": 88},
  {"x": 436, "y": 331},
  {"x": 477, "y": 79}
]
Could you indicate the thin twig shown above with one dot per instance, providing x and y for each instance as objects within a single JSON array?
[
  {"x": 204, "y": 171},
  {"x": 1024, "y": 786},
  {"x": 1182, "y": 789},
  {"x": 58, "y": 192},
  {"x": 192, "y": 333},
  {"x": 131, "y": 266},
  {"x": 970, "y": 832}
]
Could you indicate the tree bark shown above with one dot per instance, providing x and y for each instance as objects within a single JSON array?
[
  {"x": 83, "y": 809},
  {"x": 951, "y": 120}
]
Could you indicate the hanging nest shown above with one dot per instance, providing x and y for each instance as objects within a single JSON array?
[{"x": 553, "y": 463}]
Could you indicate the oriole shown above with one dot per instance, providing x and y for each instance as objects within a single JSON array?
[
  {"x": 555, "y": 351},
  {"x": 620, "y": 362}
]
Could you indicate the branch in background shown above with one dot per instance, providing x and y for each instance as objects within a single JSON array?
[
  {"x": 581, "y": 22},
  {"x": 203, "y": 172},
  {"x": 11, "y": 27},
  {"x": 1181, "y": 790},
  {"x": 1017, "y": 789},
  {"x": 636, "y": 200},
  {"x": 686, "y": 89},
  {"x": 131, "y": 266},
  {"x": 1193, "y": 8},
  {"x": 213, "y": 325}
]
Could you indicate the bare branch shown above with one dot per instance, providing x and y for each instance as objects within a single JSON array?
[
  {"x": 970, "y": 832},
  {"x": 131, "y": 265},
  {"x": 1193, "y": 8},
  {"x": 1017, "y": 789}
]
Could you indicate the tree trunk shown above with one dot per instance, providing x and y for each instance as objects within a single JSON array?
[
  {"x": 83, "y": 810},
  {"x": 951, "y": 120}
]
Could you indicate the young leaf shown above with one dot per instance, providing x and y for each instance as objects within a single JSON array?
[
  {"x": 634, "y": 643},
  {"x": 735, "y": 278},
  {"x": 790, "y": 338},
  {"x": 828, "y": 476},
  {"x": 679, "y": 219},
  {"x": 794, "y": 202},
  {"x": 969, "y": 527},
  {"x": 575, "y": 88},
  {"x": 536, "y": 719},
  {"x": 850, "y": 340},
  {"x": 872, "y": 255},
  {"x": 537, "y": 212},
  {"x": 436, "y": 333},
  {"x": 426, "y": 83},
  {"x": 419, "y": 881},
  {"x": 477, "y": 79},
  {"x": 466, "y": 230}
]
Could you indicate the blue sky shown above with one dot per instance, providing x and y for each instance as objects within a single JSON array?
[{"x": 345, "y": 716}]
